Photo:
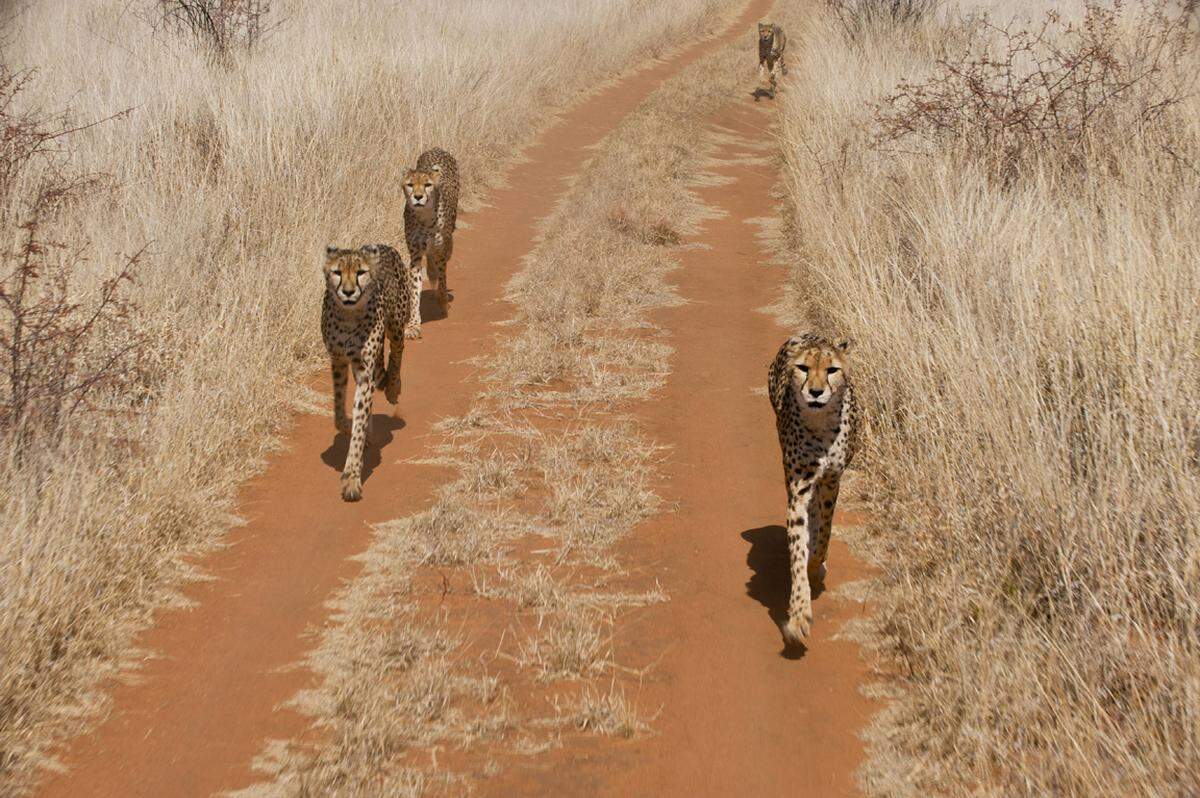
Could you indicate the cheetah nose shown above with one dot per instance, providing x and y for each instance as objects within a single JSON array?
[{"x": 815, "y": 392}]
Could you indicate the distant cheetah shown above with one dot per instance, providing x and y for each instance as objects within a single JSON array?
[
  {"x": 818, "y": 424},
  {"x": 364, "y": 303},
  {"x": 430, "y": 217},
  {"x": 772, "y": 42}
]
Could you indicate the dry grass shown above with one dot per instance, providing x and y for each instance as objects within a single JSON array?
[
  {"x": 573, "y": 645},
  {"x": 232, "y": 173},
  {"x": 609, "y": 713},
  {"x": 1029, "y": 349},
  {"x": 549, "y": 461}
]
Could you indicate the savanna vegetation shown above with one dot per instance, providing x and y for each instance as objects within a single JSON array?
[
  {"x": 998, "y": 204},
  {"x": 170, "y": 171}
]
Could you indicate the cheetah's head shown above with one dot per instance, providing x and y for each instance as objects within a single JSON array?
[
  {"x": 420, "y": 187},
  {"x": 765, "y": 31},
  {"x": 349, "y": 273},
  {"x": 818, "y": 373}
]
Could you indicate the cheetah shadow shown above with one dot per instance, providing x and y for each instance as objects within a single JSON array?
[
  {"x": 760, "y": 92},
  {"x": 431, "y": 309},
  {"x": 382, "y": 427},
  {"x": 770, "y": 582}
]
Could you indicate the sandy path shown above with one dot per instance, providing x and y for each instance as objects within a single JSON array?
[
  {"x": 737, "y": 716},
  {"x": 202, "y": 710}
]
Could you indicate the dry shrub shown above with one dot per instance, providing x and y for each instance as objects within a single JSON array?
[
  {"x": 859, "y": 18},
  {"x": 1064, "y": 92},
  {"x": 223, "y": 27},
  {"x": 63, "y": 345},
  {"x": 1028, "y": 348}
]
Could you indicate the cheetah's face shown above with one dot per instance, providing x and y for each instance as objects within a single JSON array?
[
  {"x": 818, "y": 374},
  {"x": 420, "y": 187},
  {"x": 348, "y": 274},
  {"x": 764, "y": 32}
]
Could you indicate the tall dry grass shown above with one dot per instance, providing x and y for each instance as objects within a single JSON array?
[
  {"x": 1027, "y": 333},
  {"x": 232, "y": 173}
]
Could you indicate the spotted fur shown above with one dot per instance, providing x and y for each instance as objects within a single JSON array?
[
  {"x": 364, "y": 303},
  {"x": 772, "y": 42},
  {"x": 430, "y": 217},
  {"x": 818, "y": 423}
]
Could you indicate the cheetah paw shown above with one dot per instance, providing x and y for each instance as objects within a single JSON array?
[
  {"x": 343, "y": 425},
  {"x": 392, "y": 392},
  {"x": 816, "y": 578},
  {"x": 351, "y": 489},
  {"x": 798, "y": 628},
  {"x": 412, "y": 332}
]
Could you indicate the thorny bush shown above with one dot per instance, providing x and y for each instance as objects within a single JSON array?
[
  {"x": 859, "y": 17},
  {"x": 61, "y": 345},
  {"x": 1061, "y": 91},
  {"x": 222, "y": 26}
]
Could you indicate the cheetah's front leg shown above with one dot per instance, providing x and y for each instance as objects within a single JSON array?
[
  {"x": 415, "y": 267},
  {"x": 800, "y": 615},
  {"x": 364, "y": 392},
  {"x": 340, "y": 368}
]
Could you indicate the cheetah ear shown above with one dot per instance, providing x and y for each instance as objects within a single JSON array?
[
  {"x": 372, "y": 252},
  {"x": 842, "y": 345},
  {"x": 331, "y": 252}
]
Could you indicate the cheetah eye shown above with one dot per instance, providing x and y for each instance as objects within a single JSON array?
[
  {"x": 429, "y": 185},
  {"x": 337, "y": 272},
  {"x": 802, "y": 367},
  {"x": 832, "y": 370}
]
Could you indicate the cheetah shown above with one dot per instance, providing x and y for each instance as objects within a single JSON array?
[
  {"x": 430, "y": 217},
  {"x": 772, "y": 42},
  {"x": 818, "y": 423},
  {"x": 364, "y": 302}
]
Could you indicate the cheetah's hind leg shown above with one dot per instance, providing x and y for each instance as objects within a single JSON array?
[
  {"x": 443, "y": 293},
  {"x": 391, "y": 379}
]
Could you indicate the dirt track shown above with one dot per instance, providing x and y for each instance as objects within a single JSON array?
[{"x": 737, "y": 717}]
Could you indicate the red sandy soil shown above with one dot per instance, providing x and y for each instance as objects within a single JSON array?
[{"x": 736, "y": 717}]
